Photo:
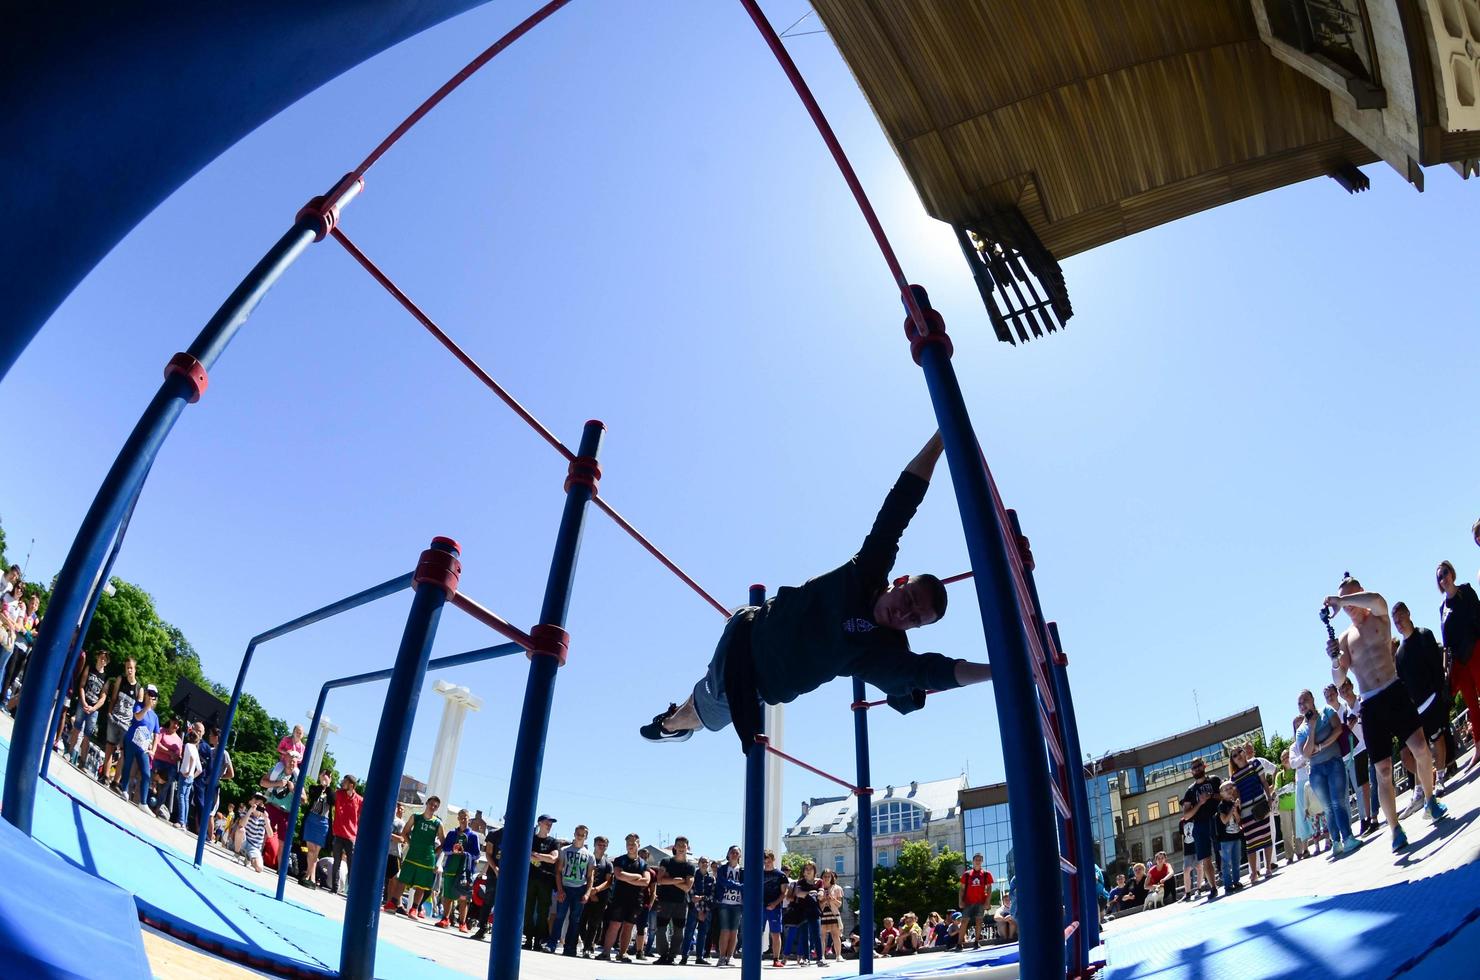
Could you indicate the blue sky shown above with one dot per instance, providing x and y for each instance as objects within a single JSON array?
[{"x": 629, "y": 216}]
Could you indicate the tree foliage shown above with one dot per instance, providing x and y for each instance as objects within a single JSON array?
[
  {"x": 921, "y": 881},
  {"x": 792, "y": 863}
]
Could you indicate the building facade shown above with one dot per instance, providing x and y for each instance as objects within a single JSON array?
[
  {"x": 1134, "y": 797},
  {"x": 827, "y": 830}
]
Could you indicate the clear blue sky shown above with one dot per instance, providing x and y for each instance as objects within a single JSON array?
[{"x": 629, "y": 216}]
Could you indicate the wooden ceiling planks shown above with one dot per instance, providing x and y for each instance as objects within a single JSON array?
[{"x": 1095, "y": 118}]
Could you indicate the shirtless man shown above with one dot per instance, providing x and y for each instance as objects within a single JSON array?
[{"x": 1366, "y": 649}]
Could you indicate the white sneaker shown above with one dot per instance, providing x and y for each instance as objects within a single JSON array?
[{"x": 1414, "y": 805}]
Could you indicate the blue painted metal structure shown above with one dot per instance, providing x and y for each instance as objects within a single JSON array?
[
  {"x": 123, "y": 483},
  {"x": 865, "y": 810},
  {"x": 436, "y": 663},
  {"x": 1039, "y": 894},
  {"x": 753, "y": 850},
  {"x": 1089, "y": 898},
  {"x": 79, "y": 636},
  {"x": 534, "y": 722},
  {"x": 126, "y": 102},
  {"x": 213, "y": 782},
  {"x": 388, "y": 758}
]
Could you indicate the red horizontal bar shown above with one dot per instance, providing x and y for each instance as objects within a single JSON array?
[
  {"x": 1071, "y": 929},
  {"x": 1053, "y": 743},
  {"x": 959, "y": 577},
  {"x": 1068, "y": 868},
  {"x": 492, "y": 620},
  {"x": 766, "y": 743},
  {"x": 664, "y": 559}
]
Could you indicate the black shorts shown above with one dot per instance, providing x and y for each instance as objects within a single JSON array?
[
  {"x": 1359, "y": 765},
  {"x": 1434, "y": 718},
  {"x": 625, "y": 910},
  {"x": 1387, "y": 715}
]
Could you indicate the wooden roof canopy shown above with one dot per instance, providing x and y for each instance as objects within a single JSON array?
[{"x": 1043, "y": 128}]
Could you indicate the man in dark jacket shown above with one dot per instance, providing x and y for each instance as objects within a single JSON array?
[
  {"x": 1460, "y": 617},
  {"x": 849, "y": 622}
]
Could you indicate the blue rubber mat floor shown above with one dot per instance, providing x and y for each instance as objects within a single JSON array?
[
  {"x": 961, "y": 964},
  {"x": 202, "y": 904},
  {"x": 1399, "y": 930}
]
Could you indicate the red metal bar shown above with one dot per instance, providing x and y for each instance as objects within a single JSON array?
[
  {"x": 508, "y": 399},
  {"x": 874, "y": 704},
  {"x": 1054, "y": 749},
  {"x": 1068, "y": 867},
  {"x": 958, "y": 577},
  {"x": 783, "y": 57},
  {"x": 493, "y": 51},
  {"x": 766, "y": 742},
  {"x": 1059, "y": 803},
  {"x": 492, "y": 620},
  {"x": 1071, "y": 929},
  {"x": 449, "y": 343},
  {"x": 664, "y": 559}
]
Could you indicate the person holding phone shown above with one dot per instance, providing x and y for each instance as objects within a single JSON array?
[{"x": 1317, "y": 735}]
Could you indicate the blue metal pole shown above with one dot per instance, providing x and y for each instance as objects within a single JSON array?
[
  {"x": 290, "y": 835},
  {"x": 864, "y": 879},
  {"x": 213, "y": 781},
  {"x": 436, "y": 580},
  {"x": 79, "y": 636},
  {"x": 753, "y": 898},
  {"x": 185, "y": 379},
  {"x": 534, "y": 721},
  {"x": 1038, "y": 899},
  {"x": 454, "y": 660},
  {"x": 1089, "y": 900}
]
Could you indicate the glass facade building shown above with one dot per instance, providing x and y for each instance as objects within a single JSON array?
[{"x": 987, "y": 833}]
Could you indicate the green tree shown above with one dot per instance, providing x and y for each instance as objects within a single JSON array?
[
  {"x": 792, "y": 863},
  {"x": 921, "y": 881}
]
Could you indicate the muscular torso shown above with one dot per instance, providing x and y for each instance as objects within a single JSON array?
[{"x": 1370, "y": 646}]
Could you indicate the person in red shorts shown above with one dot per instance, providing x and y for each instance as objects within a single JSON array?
[
  {"x": 1460, "y": 615},
  {"x": 975, "y": 893}
]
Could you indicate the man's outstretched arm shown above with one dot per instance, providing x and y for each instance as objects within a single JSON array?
[
  {"x": 876, "y": 557},
  {"x": 923, "y": 465}
]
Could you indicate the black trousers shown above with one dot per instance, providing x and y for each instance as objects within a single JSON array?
[
  {"x": 537, "y": 897},
  {"x": 671, "y": 918},
  {"x": 593, "y": 921},
  {"x": 343, "y": 850}
]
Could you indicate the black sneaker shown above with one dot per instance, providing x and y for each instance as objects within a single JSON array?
[{"x": 655, "y": 732}]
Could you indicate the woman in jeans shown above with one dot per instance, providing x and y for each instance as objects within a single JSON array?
[{"x": 1317, "y": 735}]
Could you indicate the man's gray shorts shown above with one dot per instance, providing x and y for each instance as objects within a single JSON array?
[{"x": 709, "y": 693}]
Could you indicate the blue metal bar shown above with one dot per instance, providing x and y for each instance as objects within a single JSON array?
[
  {"x": 865, "y": 818},
  {"x": 753, "y": 902},
  {"x": 1038, "y": 899},
  {"x": 31, "y": 735},
  {"x": 534, "y": 724},
  {"x": 453, "y": 660},
  {"x": 213, "y": 781},
  {"x": 1084, "y": 845},
  {"x": 79, "y": 636},
  {"x": 436, "y": 580}
]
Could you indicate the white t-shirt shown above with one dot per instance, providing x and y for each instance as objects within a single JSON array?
[
  {"x": 1348, "y": 716},
  {"x": 190, "y": 761}
]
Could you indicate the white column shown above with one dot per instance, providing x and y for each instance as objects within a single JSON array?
[
  {"x": 449, "y": 737},
  {"x": 776, "y": 732},
  {"x": 320, "y": 742}
]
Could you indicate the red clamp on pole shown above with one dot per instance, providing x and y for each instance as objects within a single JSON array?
[
  {"x": 187, "y": 367},
  {"x": 584, "y": 471},
  {"x": 439, "y": 566},
  {"x": 933, "y": 320},
  {"x": 323, "y": 211},
  {"x": 550, "y": 641},
  {"x": 864, "y": 790},
  {"x": 860, "y": 705}
]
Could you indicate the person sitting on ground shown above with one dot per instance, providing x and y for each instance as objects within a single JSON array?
[
  {"x": 911, "y": 939},
  {"x": 888, "y": 936},
  {"x": 1157, "y": 878},
  {"x": 1117, "y": 895},
  {"x": 1366, "y": 649},
  {"x": 1005, "y": 920},
  {"x": 850, "y": 622}
]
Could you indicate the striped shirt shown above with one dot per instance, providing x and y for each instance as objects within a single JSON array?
[{"x": 256, "y": 831}]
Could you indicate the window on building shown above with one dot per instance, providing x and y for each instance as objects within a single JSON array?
[
  {"x": 897, "y": 816},
  {"x": 1174, "y": 805},
  {"x": 1133, "y": 816},
  {"x": 1153, "y": 810},
  {"x": 1158, "y": 844},
  {"x": 838, "y": 864},
  {"x": 883, "y": 858},
  {"x": 1138, "y": 853}
]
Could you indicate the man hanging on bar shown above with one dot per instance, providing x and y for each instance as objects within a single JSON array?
[{"x": 850, "y": 622}]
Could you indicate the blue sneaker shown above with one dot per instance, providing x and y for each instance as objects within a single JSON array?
[
  {"x": 1436, "y": 810},
  {"x": 1400, "y": 840},
  {"x": 1351, "y": 844}
]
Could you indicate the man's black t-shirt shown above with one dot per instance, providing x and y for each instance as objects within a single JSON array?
[
  {"x": 1459, "y": 615},
  {"x": 543, "y": 845},
  {"x": 775, "y": 880},
  {"x": 625, "y": 891},
  {"x": 1204, "y": 789},
  {"x": 1421, "y": 665},
  {"x": 603, "y": 867},
  {"x": 1225, "y": 809},
  {"x": 493, "y": 844},
  {"x": 674, "y": 869}
]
